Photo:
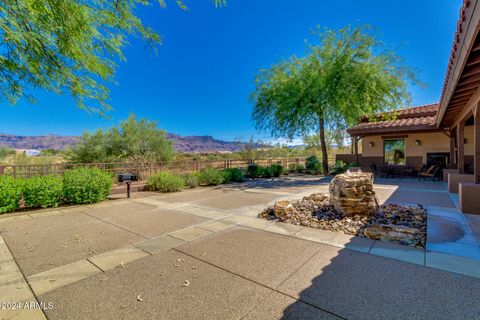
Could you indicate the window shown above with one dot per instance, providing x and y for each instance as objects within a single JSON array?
[{"x": 394, "y": 151}]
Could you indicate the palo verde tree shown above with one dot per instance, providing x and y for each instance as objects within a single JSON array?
[
  {"x": 133, "y": 140},
  {"x": 346, "y": 74},
  {"x": 68, "y": 46}
]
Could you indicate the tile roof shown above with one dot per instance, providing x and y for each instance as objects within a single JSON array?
[
  {"x": 462, "y": 20},
  {"x": 412, "y": 119}
]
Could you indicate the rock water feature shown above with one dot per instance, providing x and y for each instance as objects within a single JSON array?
[{"x": 352, "y": 208}]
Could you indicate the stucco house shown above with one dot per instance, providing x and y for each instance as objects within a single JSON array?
[{"x": 446, "y": 133}]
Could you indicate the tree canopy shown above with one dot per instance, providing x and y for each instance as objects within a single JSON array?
[
  {"x": 68, "y": 46},
  {"x": 346, "y": 74},
  {"x": 132, "y": 140}
]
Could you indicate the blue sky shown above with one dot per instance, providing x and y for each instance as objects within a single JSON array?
[{"x": 199, "y": 82}]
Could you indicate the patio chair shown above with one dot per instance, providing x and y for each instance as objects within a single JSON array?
[
  {"x": 431, "y": 172},
  {"x": 376, "y": 171}
]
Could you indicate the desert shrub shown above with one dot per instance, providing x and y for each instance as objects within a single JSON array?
[
  {"x": 211, "y": 177},
  {"x": 253, "y": 171},
  {"x": 192, "y": 179},
  {"x": 232, "y": 175},
  {"x": 300, "y": 168},
  {"x": 10, "y": 193},
  {"x": 86, "y": 185},
  {"x": 292, "y": 167},
  {"x": 339, "y": 167},
  {"x": 165, "y": 182},
  {"x": 277, "y": 169},
  {"x": 312, "y": 163},
  {"x": 43, "y": 192},
  {"x": 266, "y": 172}
]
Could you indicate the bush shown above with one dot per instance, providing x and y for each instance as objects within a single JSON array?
[
  {"x": 165, "y": 182},
  {"x": 43, "y": 192},
  {"x": 253, "y": 171},
  {"x": 292, "y": 167},
  {"x": 10, "y": 193},
  {"x": 232, "y": 175},
  {"x": 339, "y": 167},
  {"x": 312, "y": 163},
  {"x": 192, "y": 179},
  {"x": 86, "y": 185},
  {"x": 266, "y": 172},
  {"x": 277, "y": 169},
  {"x": 211, "y": 176},
  {"x": 300, "y": 168}
]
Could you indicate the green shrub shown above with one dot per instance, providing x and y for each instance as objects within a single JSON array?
[
  {"x": 253, "y": 171},
  {"x": 339, "y": 167},
  {"x": 43, "y": 192},
  {"x": 232, "y": 175},
  {"x": 165, "y": 182},
  {"x": 300, "y": 168},
  {"x": 277, "y": 169},
  {"x": 10, "y": 193},
  {"x": 192, "y": 179},
  {"x": 292, "y": 167},
  {"x": 266, "y": 172},
  {"x": 86, "y": 185},
  {"x": 211, "y": 176},
  {"x": 312, "y": 163}
]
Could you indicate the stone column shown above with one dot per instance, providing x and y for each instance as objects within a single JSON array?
[
  {"x": 356, "y": 149},
  {"x": 461, "y": 146},
  {"x": 452, "y": 150}
]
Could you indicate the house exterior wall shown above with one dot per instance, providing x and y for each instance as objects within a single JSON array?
[{"x": 415, "y": 155}]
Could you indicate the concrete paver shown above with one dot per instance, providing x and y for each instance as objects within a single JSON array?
[
  {"x": 284, "y": 228},
  {"x": 398, "y": 252},
  {"x": 189, "y": 234},
  {"x": 216, "y": 226},
  {"x": 457, "y": 264},
  {"x": 258, "y": 223},
  {"x": 61, "y": 276},
  {"x": 116, "y": 258},
  {"x": 317, "y": 235},
  {"x": 148, "y": 222},
  {"x": 351, "y": 242},
  {"x": 158, "y": 244}
]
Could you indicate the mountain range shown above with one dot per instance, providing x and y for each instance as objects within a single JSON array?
[{"x": 201, "y": 144}]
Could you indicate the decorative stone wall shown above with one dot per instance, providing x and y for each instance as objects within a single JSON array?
[{"x": 352, "y": 194}]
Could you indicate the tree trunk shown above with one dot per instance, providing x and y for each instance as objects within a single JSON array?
[{"x": 323, "y": 144}]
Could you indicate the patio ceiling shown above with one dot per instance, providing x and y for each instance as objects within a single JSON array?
[{"x": 462, "y": 82}]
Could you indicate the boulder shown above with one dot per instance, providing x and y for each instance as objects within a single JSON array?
[
  {"x": 392, "y": 232},
  {"x": 352, "y": 194},
  {"x": 283, "y": 210}
]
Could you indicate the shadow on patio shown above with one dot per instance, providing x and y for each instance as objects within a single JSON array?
[{"x": 351, "y": 284}]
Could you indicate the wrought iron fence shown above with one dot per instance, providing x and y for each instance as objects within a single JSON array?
[{"x": 143, "y": 170}]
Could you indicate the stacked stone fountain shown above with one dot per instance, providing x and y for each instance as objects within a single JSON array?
[
  {"x": 352, "y": 194},
  {"x": 352, "y": 207}
]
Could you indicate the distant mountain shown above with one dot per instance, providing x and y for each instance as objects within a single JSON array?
[
  {"x": 37, "y": 142},
  {"x": 202, "y": 144}
]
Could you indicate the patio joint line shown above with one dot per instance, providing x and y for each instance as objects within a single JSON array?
[
  {"x": 115, "y": 225},
  {"x": 258, "y": 283}
]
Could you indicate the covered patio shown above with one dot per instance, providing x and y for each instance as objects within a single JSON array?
[{"x": 440, "y": 140}]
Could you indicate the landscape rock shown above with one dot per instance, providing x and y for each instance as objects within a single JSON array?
[
  {"x": 403, "y": 224},
  {"x": 352, "y": 194}
]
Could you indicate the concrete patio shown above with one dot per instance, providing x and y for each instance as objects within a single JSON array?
[{"x": 203, "y": 254}]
